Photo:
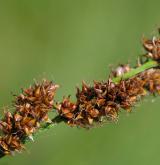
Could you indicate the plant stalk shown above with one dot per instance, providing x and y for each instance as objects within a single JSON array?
[{"x": 133, "y": 72}]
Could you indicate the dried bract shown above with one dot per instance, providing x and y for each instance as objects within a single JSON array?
[{"x": 152, "y": 47}]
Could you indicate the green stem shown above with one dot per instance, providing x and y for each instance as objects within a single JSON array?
[{"x": 133, "y": 72}]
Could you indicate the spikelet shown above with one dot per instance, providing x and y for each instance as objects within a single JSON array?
[
  {"x": 152, "y": 46},
  {"x": 121, "y": 69},
  {"x": 152, "y": 80},
  {"x": 105, "y": 99},
  {"x": 32, "y": 107}
]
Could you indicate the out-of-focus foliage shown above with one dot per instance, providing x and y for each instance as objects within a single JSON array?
[{"x": 72, "y": 40}]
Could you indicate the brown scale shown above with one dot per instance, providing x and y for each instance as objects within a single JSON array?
[
  {"x": 9, "y": 144},
  {"x": 129, "y": 92},
  {"x": 152, "y": 47},
  {"x": 66, "y": 108},
  {"x": 6, "y": 124},
  {"x": 152, "y": 80},
  {"x": 25, "y": 125},
  {"x": 36, "y": 101},
  {"x": 17, "y": 124}
]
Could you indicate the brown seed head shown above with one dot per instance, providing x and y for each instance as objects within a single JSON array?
[{"x": 152, "y": 47}]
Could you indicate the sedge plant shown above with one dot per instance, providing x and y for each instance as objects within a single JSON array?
[{"x": 94, "y": 104}]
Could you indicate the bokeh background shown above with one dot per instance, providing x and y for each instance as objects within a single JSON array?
[{"x": 69, "y": 41}]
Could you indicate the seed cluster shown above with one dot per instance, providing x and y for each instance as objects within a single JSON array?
[
  {"x": 32, "y": 107},
  {"x": 152, "y": 46},
  {"x": 105, "y": 99},
  {"x": 152, "y": 80}
]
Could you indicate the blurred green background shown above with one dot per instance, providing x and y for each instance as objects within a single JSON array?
[{"x": 69, "y": 41}]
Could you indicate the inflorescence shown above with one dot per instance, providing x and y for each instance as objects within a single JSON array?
[{"x": 94, "y": 104}]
